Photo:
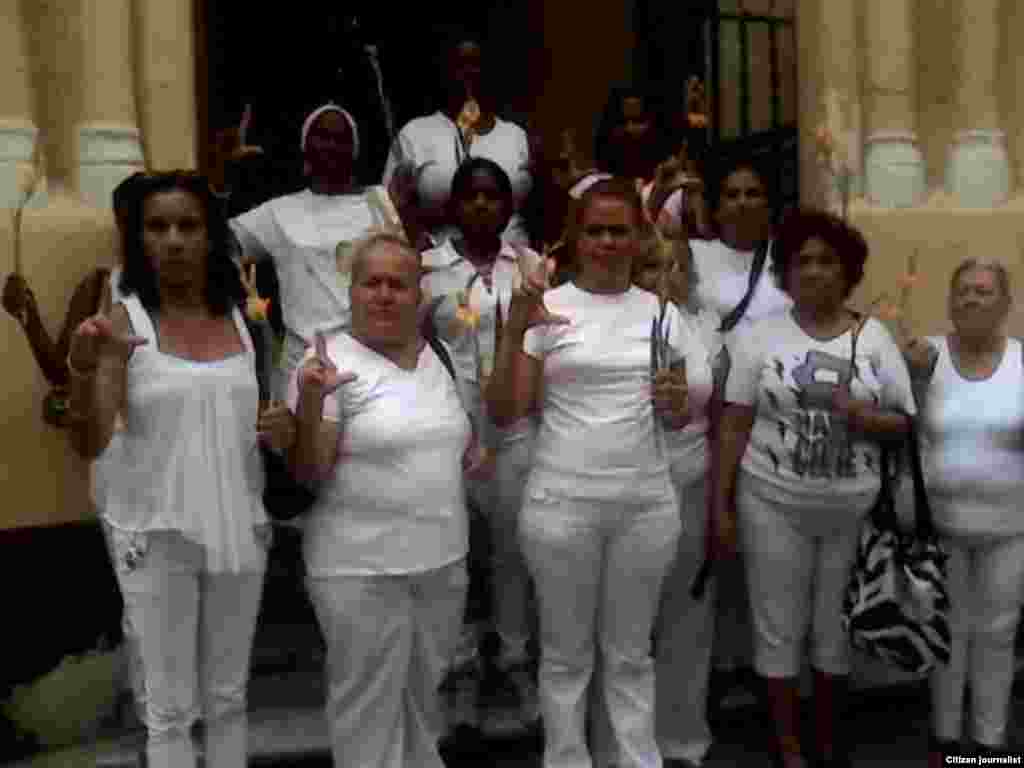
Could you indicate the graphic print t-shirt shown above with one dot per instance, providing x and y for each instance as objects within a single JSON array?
[{"x": 801, "y": 453}]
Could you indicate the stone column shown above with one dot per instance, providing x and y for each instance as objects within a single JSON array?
[
  {"x": 978, "y": 172},
  {"x": 18, "y": 133},
  {"x": 110, "y": 146},
  {"x": 894, "y": 165},
  {"x": 840, "y": 51},
  {"x": 165, "y": 41}
]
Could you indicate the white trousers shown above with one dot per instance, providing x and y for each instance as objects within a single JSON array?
[
  {"x": 510, "y": 582},
  {"x": 986, "y": 589},
  {"x": 684, "y": 636},
  {"x": 130, "y": 647},
  {"x": 598, "y": 567},
  {"x": 195, "y": 632},
  {"x": 798, "y": 566},
  {"x": 389, "y": 641}
]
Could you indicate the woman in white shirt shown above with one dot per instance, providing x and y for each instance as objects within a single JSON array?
[
  {"x": 809, "y": 394},
  {"x": 303, "y": 233},
  {"x": 972, "y": 387},
  {"x": 600, "y": 518},
  {"x": 685, "y": 625},
  {"x": 466, "y": 279},
  {"x": 183, "y": 496},
  {"x": 385, "y": 544},
  {"x": 435, "y": 145}
]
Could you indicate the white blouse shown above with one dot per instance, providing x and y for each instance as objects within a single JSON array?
[
  {"x": 973, "y": 436},
  {"x": 188, "y": 459}
]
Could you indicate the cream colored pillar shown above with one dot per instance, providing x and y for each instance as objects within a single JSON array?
[
  {"x": 978, "y": 172},
  {"x": 894, "y": 165},
  {"x": 18, "y": 133},
  {"x": 110, "y": 146},
  {"x": 165, "y": 41},
  {"x": 840, "y": 50}
]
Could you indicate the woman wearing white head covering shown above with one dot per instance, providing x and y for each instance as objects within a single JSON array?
[{"x": 304, "y": 233}]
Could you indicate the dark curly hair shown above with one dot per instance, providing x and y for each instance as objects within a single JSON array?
[
  {"x": 803, "y": 224},
  {"x": 224, "y": 290},
  {"x": 727, "y": 165}
]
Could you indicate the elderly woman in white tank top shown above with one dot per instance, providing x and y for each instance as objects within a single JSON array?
[
  {"x": 972, "y": 387},
  {"x": 304, "y": 233},
  {"x": 184, "y": 485}
]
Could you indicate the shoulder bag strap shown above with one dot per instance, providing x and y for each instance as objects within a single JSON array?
[
  {"x": 442, "y": 353},
  {"x": 924, "y": 523},
  {"x": 756, "y": 270}
]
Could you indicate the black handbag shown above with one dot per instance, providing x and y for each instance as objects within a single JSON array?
[{"x": 896, "y": 604}]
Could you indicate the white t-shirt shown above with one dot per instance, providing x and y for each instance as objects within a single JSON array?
[
  {"x": 800, "y": 454},
  {"x": 688, "y": 447},
  {"x": 301, "y": 234},
  {"x": 395, "y": 502},
  {"x": 973, "y": 434},
  {"x": 445, "y": 274},
  {"x": 598, "y": 435},
  {"x": 724, "y": 274},
  {"x": 434, "y": 140}
]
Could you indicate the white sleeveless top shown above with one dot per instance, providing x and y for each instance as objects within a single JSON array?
[
  {"x": 973, "y": 440},
  {"x": 188, "y": 459}
]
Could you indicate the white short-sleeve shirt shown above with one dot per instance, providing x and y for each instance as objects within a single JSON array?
[
  {"x": 800, "y": 452},
  {"x": 446, "y": 273},
  {"x": 433, "y": 141},
  {"x": 598, "y": 434},
  {"x": 395, "y": 501},
  {"x": 301, "y": 234},
  {"x": 724, "y": 274}
]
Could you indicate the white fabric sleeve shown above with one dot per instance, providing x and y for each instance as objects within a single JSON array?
[
  {"x": 686, "y": 343},
  {"x": 256, "y": 231},
  {"x": 893, "y": 375},
  {"x": 745, "y": 365},
  {"x": 402, "y": 151}
]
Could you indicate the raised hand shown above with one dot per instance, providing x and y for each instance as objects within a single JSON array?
[
  {"x": 229, "y": 145},
  {"x": 276, "y": 426},
  {"x": 95, "y": 337},
  {"x": 670, "y": 395},
  {"x": 920, "y": 356},
  {"x": 256, "y": 307},
  {"x": 527, "y": 307},
  {"x": 319, "y": 376}
]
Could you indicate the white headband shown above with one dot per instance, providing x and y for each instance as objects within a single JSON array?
[
  {"x": 308, "y": 124},
  {"x": 580, "y": 187}
]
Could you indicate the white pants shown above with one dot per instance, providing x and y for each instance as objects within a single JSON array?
[
  {"x": 598, "y": 567},
  {"x": 798, "y": 566},
  {"x": 510, "y": 582},
  {"x": 389, "y": 641},
  {"x": 683, "y": 639},
  {"x": 986, "y": 587},
  {"x": 132, "y": 654},
  {"x": 195, "y": 632}
]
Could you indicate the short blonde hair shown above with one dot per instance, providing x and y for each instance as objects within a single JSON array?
[{"x": 358, "y": 255}]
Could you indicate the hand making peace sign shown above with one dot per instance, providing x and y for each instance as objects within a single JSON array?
[
  {"x": 95, "y": 338},
  {"x": 527, "y": 308},
  {"x": 319, "y": 376}
]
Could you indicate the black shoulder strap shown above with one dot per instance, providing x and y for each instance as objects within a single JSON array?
[
  {"x": 259, "y": 348},
  {"x": 756, "y": 270},
  {"x": 439, "y": 349}
]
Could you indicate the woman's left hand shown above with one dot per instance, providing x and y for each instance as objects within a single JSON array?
[
  {"x": 671, "y": 395},
  {"x": 276, "y": 427},
  {"x": 850, "y": 407}
]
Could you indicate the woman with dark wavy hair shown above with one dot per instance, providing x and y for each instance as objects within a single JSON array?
[
  {"x": 809, "y": 395},
  {"x": 184, "y": 506}
]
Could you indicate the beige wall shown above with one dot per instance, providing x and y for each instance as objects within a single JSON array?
[
  {"x": 99, "y": 73},
  {"x": 836, "y": 44}
]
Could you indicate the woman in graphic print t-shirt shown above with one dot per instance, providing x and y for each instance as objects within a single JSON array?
[{"x": 799, "y": 452}]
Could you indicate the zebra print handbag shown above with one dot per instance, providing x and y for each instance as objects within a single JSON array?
[{"x": 896, "y": 604}]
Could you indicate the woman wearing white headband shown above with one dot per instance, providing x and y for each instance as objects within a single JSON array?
[{"x": 305, "y": 233}]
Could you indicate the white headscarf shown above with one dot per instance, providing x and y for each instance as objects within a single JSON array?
[
  {"x": 581, "y": 186},
  {"x": 307, "y": 125}
]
